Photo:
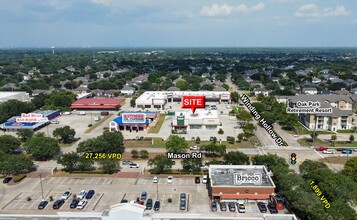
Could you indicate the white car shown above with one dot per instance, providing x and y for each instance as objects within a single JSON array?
[
  {"x": 81, "y": 204},
  {"x": 81, "y": 194},
  {"x": 66, "y": 195},
  {"x": 54, "y": 122},
  {"x": 329, "y": 151},
  {"x": 194, "y": 148},
  {"x": 134, "y": 165},
  {"x": 204, "y": 179},
  {"x": 241, "y": 208},
  {"x": 170, "y": 179},
  {"x": 155, "y": 180}
]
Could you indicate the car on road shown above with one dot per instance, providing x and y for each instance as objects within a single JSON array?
[
  {"x": 74, "y": 203},
  {"x": 54, "y": 122},
  {"x": 272, "y": 208},
  {"x": 346, "y": 151},
  {"x": 262, "y": 208},
  {"x": 149, "y": 204},
  {"x": 204, "y": 179},
  {"x": 42, "y": 204},
  {"x": 81, "y": 194},
  {"x": 66, "y": 195},
  {"x": 134, "y": 165},
  {"x": 173, "y": 162},
  {"x": 232, "y": 206},
  {"x": 214, "y": 206},
  {"x": 155, "y": 179},
  {"x": 127, "y": 162},
  {"x": 197, "y": 179},
  {"x": 170, "y": 179},
  {"x": 194, "y": 148},
  {"x": 182, "y": 205},
  {"x": 82, "y": 204},
  {"x": 90, "y": 194},
  {"x": 241, "y": 208},
  {"x": 143, "y": 195},
  {"x": 124, "y": 201},
  {"x": 90, "y": 125},
  {"x": 329, "y": 151},
  {"x": 355, "y": 149},
  {"x": 223, "y": 206},
  {"x": 321, "y": 148},
  {"x": 157, "y": 205},
  {"x": 58, "y": 204},
  {"x": 7, "y": 179},
  {"x": 183, "y": 197}
]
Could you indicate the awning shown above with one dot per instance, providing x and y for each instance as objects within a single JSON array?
[{"x": 244, "y": 196}]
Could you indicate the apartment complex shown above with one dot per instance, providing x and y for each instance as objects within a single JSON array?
[{"x": 340, "y": 118}]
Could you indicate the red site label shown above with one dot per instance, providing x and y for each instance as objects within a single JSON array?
[{"x": 193, "y": 102}]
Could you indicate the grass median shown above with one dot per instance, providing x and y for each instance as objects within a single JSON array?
[
  {"x": 156, "y": 128},
  {"x": 104, "y": 119}
]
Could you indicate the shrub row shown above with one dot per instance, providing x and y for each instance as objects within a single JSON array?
[{"x": 19, "y": 178}]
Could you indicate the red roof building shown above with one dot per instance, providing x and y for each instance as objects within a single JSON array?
[{"x": 98, "y": 103}]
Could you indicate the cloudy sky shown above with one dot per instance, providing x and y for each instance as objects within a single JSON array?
[{"x": 178, "y": 23}]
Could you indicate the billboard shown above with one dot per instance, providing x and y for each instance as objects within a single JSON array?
[
  {"x": 134, "y": 118},
  {"x": 31, "y": 117},
  {"x": 255, "y": 179}
]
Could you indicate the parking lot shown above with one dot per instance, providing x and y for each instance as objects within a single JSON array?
[
  {"x": 80, "y": 181},
  {"x": 163, "y": 181}
]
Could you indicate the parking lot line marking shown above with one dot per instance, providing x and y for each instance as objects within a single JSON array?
[
  {"x": 69, "y": 181},
  {"x": 91, "y": 181},
  {"x": 63, "y": 181},
  {"x": 83, "y": 181},
  {"x": 97, "y": 180},
  {"x": 77, "y": 181}
]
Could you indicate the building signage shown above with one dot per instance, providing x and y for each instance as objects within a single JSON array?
[
  {"x": 134, "y": 118},
  {"x": 255, "y": 179},
  {"x": 193, "y": 102},
  {"x": 32, "y": 117}
]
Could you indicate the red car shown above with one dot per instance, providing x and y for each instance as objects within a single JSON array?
[{"x": 321, "y": 148}]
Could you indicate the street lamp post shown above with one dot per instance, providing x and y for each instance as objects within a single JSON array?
[
  {"x": 41, "y": 187},
  {"x": 157, "y": 190}
]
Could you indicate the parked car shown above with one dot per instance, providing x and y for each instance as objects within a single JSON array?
[
  {"x": 143, "y": 195},
  {"x": 42, "y": 204},
  {"x": 182, "y": 205},
  {"x": 155, "y": 179},
  {"x": 204, "y": 179},
  {"x": 82, "y": 204},
  {"x": 54, "y": 122},
  {"x": 223, "y": 206},
  {"x": 241, "y": 208},
  {"x": 197, "y": 179},
  {"x": 149, "y": 204},
  {"x": 81, "y": 194},
  {"x": 355, "y": 149},
  {"x": 74, "y": 203},
  {"x": 127, "y": 162},
  {"x": 169, "y": 179},
  {"x": 194, "y": 148},
  {"x": 90, "y": 194},
  {"x": 157, "y": 205},
  {"x": 321, "y": 148},
  {"x": 272, "y": 208},
  {"x": 134, "y": 165},
  {"x": 232, "y": 206},
  {"x": 214, "y": 206},
  {"x": 58, "y": 204},
  {"x": 173, "y": 162},
  {"x": 66, "y": 195},
  {"x": 346, "y": 151},
  {"x": 193, "y": 138},
  {"x": 90, "y": 125},
  {"x": 7, "y": 179},
  {"x": 183, "y": 197},
  {"x": 262, "y": 208},
  {"x": 329, "y": 151}
]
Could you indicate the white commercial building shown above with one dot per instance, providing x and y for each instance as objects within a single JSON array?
[
  {"x": 20, "y": 96},
  {"x": 158, "y": 99},
  {"x": 202, "y": 119}
]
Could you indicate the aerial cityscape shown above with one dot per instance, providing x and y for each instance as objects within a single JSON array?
[{"x": 157, "y": 110}]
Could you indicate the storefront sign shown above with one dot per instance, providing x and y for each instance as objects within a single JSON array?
[
  {"x": 32, "y": 117},
  {"x": 134, "y": 118}
]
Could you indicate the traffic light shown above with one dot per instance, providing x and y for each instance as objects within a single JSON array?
[{"x": 293, "y": 158}]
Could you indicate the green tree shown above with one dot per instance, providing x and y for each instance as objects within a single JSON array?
[
  {"x": 240, "y": 137},
  {"x": 269, "y": 160},
  {"x": 214, "y": 150},
  {"x": 236, "y": 158},
  {"x": 108, "y": 165},
  {"x": 9, "y": 143},
  {"x": 84, "y": 163},
  {"x": 66, "y": 134},
  {"x": 352, "y": 138},
  {"x": 41, "y": 147},
  {"x": 14, "y": 107},
  {"x": 132, "y": 102},
  {"x": 14, "y": 164},
  {"x": 176, "y": 144},
  {"x": 134, "y": 153},
  {"x": 108, "y": 142},
  {"x": 191, "y": 164},
  {"x": 69, "y": 161},
  {"x": 144, "y": 154},
  {"x": 39, "y": 100},
  {"x": 314, "y": 135},
  {"x": 160, "y": 164},
  {"x": 220, "y": 131},
  {"x": 350, "y": 168},
  {"x": 333, "y": 138},
  {"x": 234, "y": 97},
  {"x": 60, "y": 100},
  {"x": 24, "y": 134},
  {"x": 244, "y": 115},
  {"x": 198, "y": 140},
  {"x": 309, "y": 166}
]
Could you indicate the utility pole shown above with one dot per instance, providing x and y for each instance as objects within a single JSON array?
[
  {"x": 41, "y": 188},
  {"x": 157, "y": 189}
]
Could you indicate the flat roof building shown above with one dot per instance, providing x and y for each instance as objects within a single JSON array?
[
  {"x": 20, "y": 96},
  {"x": 240, "y": 182},
  {"x": 135, "y": 120},
  {"x": 158, "y": 99},
  {"x": 184, "y": 121},
  {"x": 97, "y": 104}
]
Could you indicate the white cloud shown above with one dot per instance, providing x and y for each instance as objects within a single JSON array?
[
  {"x": 217, "y": 10},
  {"x": 313, "y": 11}
]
